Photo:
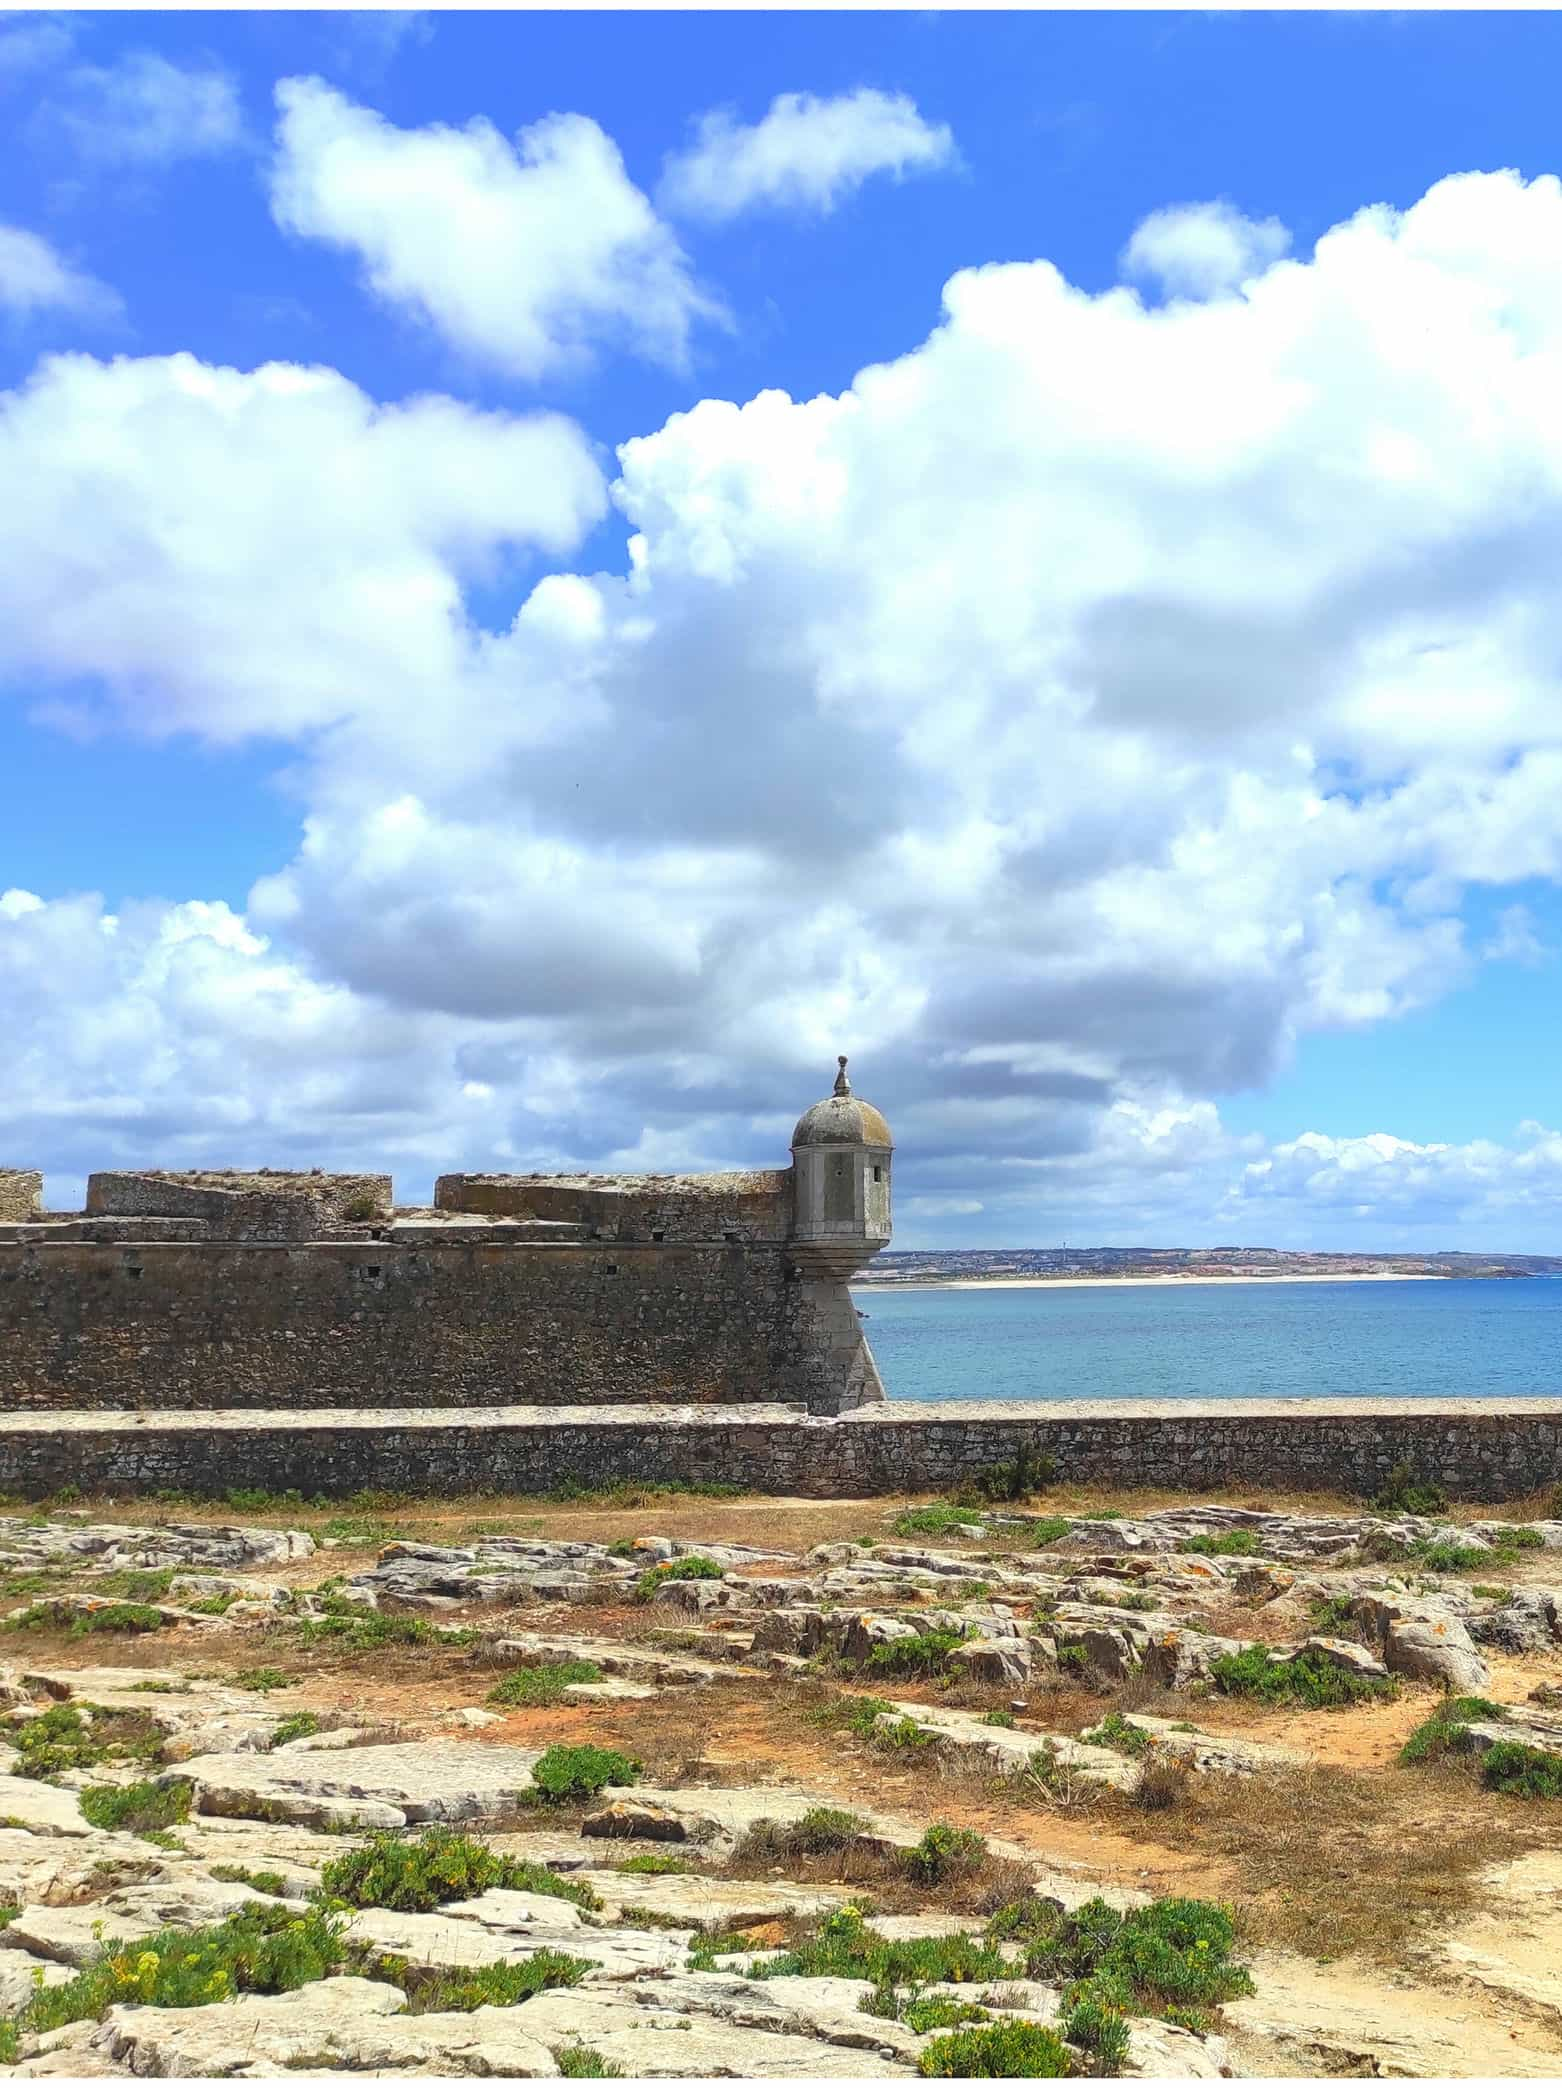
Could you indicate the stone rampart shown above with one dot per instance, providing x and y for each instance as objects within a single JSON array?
[
  {"x": 21, "y": 1194},
  {"x": 414, "y": 1320},
  {"x": 268, "y": 1204},
  {"x": 733, "y": 1208},
  {"x": 1480, "y": 1450}
]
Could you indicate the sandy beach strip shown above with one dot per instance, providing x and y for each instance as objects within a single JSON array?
[{"x": 910, "y": 1283}]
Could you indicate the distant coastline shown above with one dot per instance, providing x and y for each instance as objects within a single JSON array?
[{"x": 923, "y": 1283}]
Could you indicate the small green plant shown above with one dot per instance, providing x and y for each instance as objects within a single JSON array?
[
  {"x": 1024, "y": 1474},
  {"x": 138, "y": 1808},
  {"x": 271, "y": 1882},
  {"x": 564, "y": 1773},
  {"x": 821, "y": 1832},
  {"x": 1520, "y": 1771},
  {"x": 845, "y": 1947},
  {"x": 299, "y": 1727},
  {"x": 575, "y": 2063},
  {"x": 998, "y": 2051},
  {"x": 1434, "y": 1736},
  {"x": 1402, "y": 1493},
  {"x": 655, "y": 1863},
  {"x": 1332, "y": 1615},
  {"x": 499, "y": 1985},
  {"x": 1489, "y": 1593},
  {"x": 1447, "y": 1555},
  {"x": 998, "y": 1718},
  {"x": 1047, "y": 1529},
  {"x": 1115, "y": 1731},
  {"x": 545, "y": 1684},
  {"x": 359, "y": 1629},
  {"x": 694, "y": 1567},
  {"x": 857, "y": 1715},
  {"x": 944, "y": 1852},
  {"x": 927, "y": 2012},
  {"x": 925, "y": 1653},
  {"x": 262, "y": 1678},
  {"x": 1231, "y": 1544},
  {"x": 1309, "y": 1678},
  {"x": 937, "y": 1519},
  {"x": 135, "y": 1583},
  {"x": 259, "y": 1950},
  {"x": 415, "y": 1876},
  {"x": 1096, "y": 2026},
  {"x": 56, "y": 1739},
  {"x": 903, "y": 1736}
]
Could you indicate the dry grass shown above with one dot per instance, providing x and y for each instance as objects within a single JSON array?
[{"x": 1330, "y": 1864}]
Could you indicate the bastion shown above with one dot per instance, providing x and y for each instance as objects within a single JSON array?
[
  {"x": 214, "y": 1291},
  {"x": 205, "y": 1331}
]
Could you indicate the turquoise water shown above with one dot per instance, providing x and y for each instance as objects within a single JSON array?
[{"x": 1207, "y": 1341}]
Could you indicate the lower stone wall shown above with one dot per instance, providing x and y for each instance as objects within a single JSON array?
[{"x": 1478, "y": 1450}]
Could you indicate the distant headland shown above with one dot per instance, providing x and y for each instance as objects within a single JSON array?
[{"x": 1011, "y": 1267}]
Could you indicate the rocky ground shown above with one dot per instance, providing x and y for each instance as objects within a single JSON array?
[{"x": 682, "y": 1786}]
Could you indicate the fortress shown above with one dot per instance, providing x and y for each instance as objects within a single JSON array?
[
  {"x": 201, "y": 1332},
  {"x": 198, "y": 1291}
]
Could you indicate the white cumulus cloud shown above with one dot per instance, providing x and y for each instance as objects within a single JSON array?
[
  {"x": 1064, "y": 719},
  {"x": 525, "y": 256},
  {"x": 146, "y": 111},
  {"x": 807, "y": 153},
  {"x": 1202, "y": 249},
  {"x": 35, "y": 278}
]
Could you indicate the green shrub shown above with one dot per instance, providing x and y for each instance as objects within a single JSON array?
[
  {"x": 1518, "y": 1537},
  {"x": 1520, "y": 1771},
  {"x": 822, "y": 1831},
  {"x": 575, "y": 2063},
  {"x": 56, "y": 1739},
  {"x": 1332, "y": 1616},
  {"x": 1447, "y": 1555},
  {"x": 927, "y": 1653},
  {"x": 299, "y": 1727},
  {"x": 136, "y": 1583},
  {"x": 937, "y": 1519},
  {"x": 1402, "y": 1493},
  {"x": 259, "y": 1950},
  {"x": 138, "y": 1808},
  {"x": 852, "y": 1714},
  {"x": 998, "y": 1718},
  {"x": 1116, "y": 1732},
  {"x": 1172, "y": 1953},
  {"x": 363, "y": 1630},
  {"x": 413, "y": 1877},
  {"x": 694, "y": 1567},
  {"x": 1096, "y": 2026},
  {"x": 1233, "y": 1544},
  {"x": 944, "y": 1852},
  {"x": 1308, "y": 1678},
  {"x": 262, "y": 1678},
  {"x": 1024, "y": 1474},
  {"x": 272, "y": 1882},
  {"x": 579, "y": 1772},
  {"x": 499, "y": 1985},
  {"x": 1048, "y": 1529},
  {"x": 845, "y": 1947},
  {"x": 654, "y": 1863},
  {"x": 903, "y": 1736},
  {"x": 998, "y": 2051},
  {"x": 1434, "y": 1736},
  {"x": 545, "y": 1684},
  {"x": 10, "y": 2043},
  {"x": 927, "y": 2012}
]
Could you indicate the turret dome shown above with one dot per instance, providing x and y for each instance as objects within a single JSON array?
[{"x": 841, "y": 1119}]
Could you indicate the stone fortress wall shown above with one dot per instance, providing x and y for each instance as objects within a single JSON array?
[
  {"x": 215, "y": 1291},
  {"x": 201, "y": 1331}
]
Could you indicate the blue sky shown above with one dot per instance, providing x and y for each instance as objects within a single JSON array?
[{"x": 1118, "y": 703}]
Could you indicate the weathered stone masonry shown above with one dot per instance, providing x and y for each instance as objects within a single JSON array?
[
  {"x": 286, "y": 1291},
  {"x": 1476, "y": 1449}
]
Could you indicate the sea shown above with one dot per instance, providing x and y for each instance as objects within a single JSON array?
[{"x": 1480, "y": 1338}]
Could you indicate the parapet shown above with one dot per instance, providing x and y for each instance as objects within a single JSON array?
[
  {"x": 21, "y": 1195},
  {"x": 269, "y": 1204},
  {"x": 735, "y": 1208}
]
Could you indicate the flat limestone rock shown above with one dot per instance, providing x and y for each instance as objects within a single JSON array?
[
  {"x": 343, "y": 2024},
  {"x": 711, "y": 1903},
  {"x": 1008, "y": 1748},
  {"x": 457, "y": 1940},
  {"x": 640, "y": 2035},
  {"x": 387, "y": 1786},
  {"x": 42, "y": 1808},
  {"x": 72, "y": 1935},
  {"x": 1342, "y": 2018}
]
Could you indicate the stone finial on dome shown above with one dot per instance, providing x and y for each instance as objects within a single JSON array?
[{"x": 842, "y": 1118}]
